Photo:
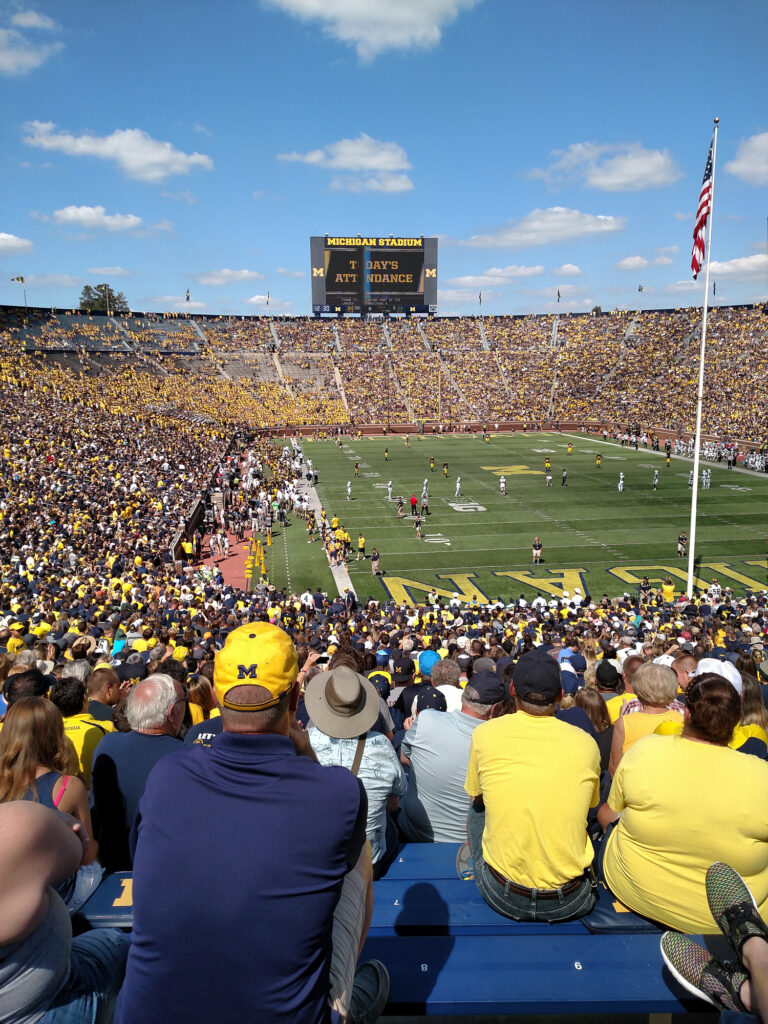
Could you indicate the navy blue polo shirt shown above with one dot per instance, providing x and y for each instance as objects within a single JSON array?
[{"x": 240, "y": 850}]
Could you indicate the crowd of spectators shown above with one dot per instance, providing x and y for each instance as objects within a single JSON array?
[
  {"x": 640, "y": 689},
  {"x": 615, "y": 367},
  {"x": 97, "y": 618}
]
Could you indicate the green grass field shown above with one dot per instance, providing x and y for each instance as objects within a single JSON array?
[{"x": 594, "y": 537}]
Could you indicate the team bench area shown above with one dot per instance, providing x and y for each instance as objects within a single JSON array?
[{"x": 448, "y": 953}]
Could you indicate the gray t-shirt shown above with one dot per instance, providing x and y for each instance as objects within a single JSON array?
[
  {"x": 434, "y": 808},
  {"x": 33, "y": 969}
]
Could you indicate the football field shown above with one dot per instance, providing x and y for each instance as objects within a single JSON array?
[{"x": 479, "y": 541}]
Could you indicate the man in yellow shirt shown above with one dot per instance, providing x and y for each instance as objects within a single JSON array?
[
  {"x": 85, "y": 732},
  {"x": 532, "y": 779},
  {"x": 631, "y": 664}
]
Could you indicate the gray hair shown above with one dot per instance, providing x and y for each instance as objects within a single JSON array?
[
  {"x": 25, "y": 658},
  {"x": 150, "y": 701},
  {"x": 470, "y": 699},
  {"x": 79, "y": 670},
  {"x": 156, "y": 653},
  {"x": 446, "y": 673}
]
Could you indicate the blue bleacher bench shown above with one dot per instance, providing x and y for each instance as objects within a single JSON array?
[{"x": 448, "y": 953}]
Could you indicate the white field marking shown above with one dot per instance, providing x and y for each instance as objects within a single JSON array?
[
  {"x": 466, "y": 506},
  {"x": 545, "y": 451},
  {"x": 287, "y": 562},
  {"x": 437, "y": 538},
  {"x": 371, "y": 474},
  {"x": 735, "y": 487}
]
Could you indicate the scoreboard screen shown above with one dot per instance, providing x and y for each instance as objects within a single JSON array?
[{"x": 374, "y": 274}]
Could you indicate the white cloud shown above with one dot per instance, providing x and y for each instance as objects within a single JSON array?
[
  {"x": 751, "y": 162},
  {"x": 13, "y": 244},
  {"x": 372, "y": 26},
  {"x": 632, "y": 263},
  {"x": 176, "y": 302},
  {"x": 374, "y": 165},
  {"x": 685, "y": 286},
  {"x": 567, "y": 291},
  {"x": 258, "y": 193},
  {"x": 683, "y": 216},
  {"x": 496, "y": 276},
  {"x": 109, "y": 271},
  {"x": 542, "y": 227},
  {"x": 95, "y": 217},
  {"x": 226, "y": 276},
  {"x": 462, "y": 295},
  {"x": 744, "y": 268},
  {"x": 202, "y": 130},
  {"x": 568, "y": 270},
  {"x": 180, "y": 197},
  {"x": 32, "y": 19},
  {"x": 640, "y": 262},
  {"x": 290, "y": 273},
  {"x": 133, "y": 150},
  {"x": 376, "y": 183},
  {"x": 18, "y": 55},
  {"x": 611, "y": 167},
  {"x": 54, "y": 280},
  {"x": 273, "y": 306}
]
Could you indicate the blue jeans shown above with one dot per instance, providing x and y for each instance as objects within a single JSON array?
[
  {"x": 97, "y": 966},
  {"x": 76, "y": 889},
  {"x": 503, "y": 900}
]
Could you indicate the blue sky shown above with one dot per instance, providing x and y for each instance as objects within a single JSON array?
[{"x": 550, "y": 145}]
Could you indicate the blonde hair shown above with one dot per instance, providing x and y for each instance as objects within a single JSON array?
[
  {"x": 655, "y": 685},
  {"x": 752, "y": 708},
  {"x": 32, "y": 737}
]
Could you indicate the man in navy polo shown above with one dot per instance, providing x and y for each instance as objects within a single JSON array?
[{"x": 252, "y": 880}]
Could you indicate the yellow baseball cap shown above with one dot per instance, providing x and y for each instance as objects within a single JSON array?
[
  {"x": 180, "y": 653},
  {"x": 257, "y": 654}
]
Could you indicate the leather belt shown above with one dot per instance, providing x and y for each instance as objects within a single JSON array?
[{"x": 540, "y": 894}]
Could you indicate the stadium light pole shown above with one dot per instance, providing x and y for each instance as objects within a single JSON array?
[{"x": 702, "y": 353}]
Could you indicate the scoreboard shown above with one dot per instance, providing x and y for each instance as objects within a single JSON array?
[{"x": 373, "y": 274}]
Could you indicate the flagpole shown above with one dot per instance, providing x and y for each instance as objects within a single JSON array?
[{"x": 700, "y": 398}]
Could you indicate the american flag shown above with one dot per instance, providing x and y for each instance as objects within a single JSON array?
[{"x": 700, "y": 228}]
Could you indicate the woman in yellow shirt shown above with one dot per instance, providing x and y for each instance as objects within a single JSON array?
[
  {"x": 682, "y": 803},
  {"x": 655, "y": 688}
]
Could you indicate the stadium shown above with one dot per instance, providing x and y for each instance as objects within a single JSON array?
[{"x": 384, "y": 609}]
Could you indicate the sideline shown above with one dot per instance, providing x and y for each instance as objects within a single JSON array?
[
  {"x": 703, "y": 463},
  {"x": 340, "y": 575}
]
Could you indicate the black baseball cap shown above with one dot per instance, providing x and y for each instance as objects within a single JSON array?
[
  {"x": 536, "y": 678},
  {"x": 490, "y": 689},
  {"x": 430, "y": 698},
  {"x": 402, "y": 670}
]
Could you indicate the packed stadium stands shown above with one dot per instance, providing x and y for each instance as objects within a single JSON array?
[
  {"x": 615, "y": 368},
  {"x": 120, "y": 469}
]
